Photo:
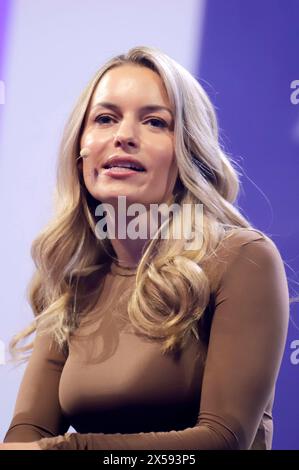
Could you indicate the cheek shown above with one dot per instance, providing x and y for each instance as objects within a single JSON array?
[
  {"x": 88, "y": 173},
  {"x": 92, "y": 140},
  {"x": 96, "y": 145},
  {"x": 162, "y": 156},
  {"x": 166, "y": 169}
]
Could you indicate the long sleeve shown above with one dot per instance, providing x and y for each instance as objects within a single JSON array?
[
  {"x": 246, "y": 344},
  {"x": 37, "y": 412}
]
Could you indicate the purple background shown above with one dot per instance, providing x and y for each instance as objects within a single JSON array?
[
  {"x": 4, "y": 14},
  {"x": 249, "y": 58},
  {"x": 5, "y": 7}
]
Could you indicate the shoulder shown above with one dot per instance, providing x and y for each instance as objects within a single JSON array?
[
  {"x": 241, "y": 241},
  {"x": 260, "y": 245},
  {"x": 248, "y": 250}
]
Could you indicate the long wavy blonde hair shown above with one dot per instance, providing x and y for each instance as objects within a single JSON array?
[{"x": 172, "y": 287}]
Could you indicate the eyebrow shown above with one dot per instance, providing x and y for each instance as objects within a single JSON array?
[{"x": 147, "y": 108}]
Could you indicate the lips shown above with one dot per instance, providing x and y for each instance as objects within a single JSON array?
[{"x": 129, "y": 163}]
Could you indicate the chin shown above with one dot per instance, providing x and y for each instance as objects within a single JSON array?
[{"x": 113, "y": 198}]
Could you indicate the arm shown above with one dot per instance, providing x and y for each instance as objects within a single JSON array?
[
  {"x": 246, "y": 345},
  {"x": 37, "y": 413},
  {"x": 19, "y": 446}
]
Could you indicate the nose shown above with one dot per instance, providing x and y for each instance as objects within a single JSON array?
[{"x": 126, "y": 136}]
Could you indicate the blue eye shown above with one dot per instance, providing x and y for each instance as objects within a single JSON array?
[
  {"x": 100, "y": 118},
  {"x": 160, "y": 122}
]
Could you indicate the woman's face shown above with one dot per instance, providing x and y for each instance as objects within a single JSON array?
[{"x": 123, "y": 120}]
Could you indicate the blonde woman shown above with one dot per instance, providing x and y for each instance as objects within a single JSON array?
[{"x": 149, "y": 342}]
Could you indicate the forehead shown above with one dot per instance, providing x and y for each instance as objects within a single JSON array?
[{"x": 130, "y": 83}]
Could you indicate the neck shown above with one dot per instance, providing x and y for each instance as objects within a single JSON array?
[{"x": 129, "y": 234}]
